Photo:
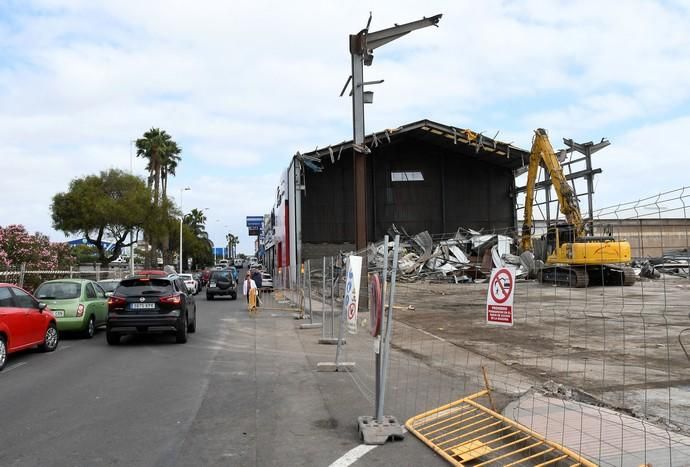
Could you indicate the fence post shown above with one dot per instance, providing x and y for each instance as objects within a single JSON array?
[
  {"x": 311, "y": 324},
  {"x": 379, "y": 429},
  {"x": 331, "y": 339},
  {"x": 98, "y": 272},
  {"x": 71, "y": 273},
  {"x": 377, "y": 345},
  {"x": 22, "y": 271}
]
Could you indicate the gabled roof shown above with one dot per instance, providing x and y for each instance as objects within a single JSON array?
[{"x": 454, "y": 139}]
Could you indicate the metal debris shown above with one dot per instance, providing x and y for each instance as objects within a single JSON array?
[{"x": 468, "y": 256}]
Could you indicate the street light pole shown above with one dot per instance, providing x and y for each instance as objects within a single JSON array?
[
  {"x": 182, "y": 190},
  {"x": 362, "y": 46},
  {"x": 131, "y": 172}
]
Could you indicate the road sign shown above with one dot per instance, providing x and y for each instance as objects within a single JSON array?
[
  {"x": 255, "y": 221},
  {"x": 351, "y": 298},
  {"x": 499, "y": 298}
]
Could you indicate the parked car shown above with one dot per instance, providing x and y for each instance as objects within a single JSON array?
[
  {"x": 108, "y": 285},
  {"x": 190, "y": 282},
  {"x": 221, "y": 283},
  {"x": 151, "y": 304},
  {"x": 78, "y": 304},
  {"x": 24, "y": 323},
  {"x": 266, "y": 282}
]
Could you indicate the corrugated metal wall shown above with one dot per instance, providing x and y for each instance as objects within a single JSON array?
[{"x": 458, "y": 191}]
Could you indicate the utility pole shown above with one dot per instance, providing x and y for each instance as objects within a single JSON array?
[{"x": 362, "y": 46}]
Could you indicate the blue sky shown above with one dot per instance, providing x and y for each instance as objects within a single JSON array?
[{"x": 244, "y": 85}]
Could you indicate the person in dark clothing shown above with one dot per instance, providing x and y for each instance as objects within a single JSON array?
[{"x": 256, "y": 277}]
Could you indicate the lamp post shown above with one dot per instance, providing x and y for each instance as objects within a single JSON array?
[
  {"x": 131, "y": 172},
  {"x": 182, "y": 190}
]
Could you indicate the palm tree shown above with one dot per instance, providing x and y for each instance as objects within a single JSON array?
[
  {"x": 196, "y": 219},
  {"x": 162, "y": 155},
  {"x": 169, "y": 166}
]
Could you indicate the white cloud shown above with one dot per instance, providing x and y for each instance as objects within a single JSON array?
[{"x": 243, "y": 86}]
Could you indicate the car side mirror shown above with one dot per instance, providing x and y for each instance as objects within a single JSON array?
[{"x": 42, "y": 306}]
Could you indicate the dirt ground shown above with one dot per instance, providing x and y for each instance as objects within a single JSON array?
[{"x": 615, "y": 346}]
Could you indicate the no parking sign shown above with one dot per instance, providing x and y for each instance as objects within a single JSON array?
[{"x": 499, "y": 298}]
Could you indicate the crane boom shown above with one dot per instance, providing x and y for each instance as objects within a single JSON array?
[{"x": 542, "y": 152}]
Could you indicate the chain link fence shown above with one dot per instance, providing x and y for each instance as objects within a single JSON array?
[{"x": 601, "y": 370}]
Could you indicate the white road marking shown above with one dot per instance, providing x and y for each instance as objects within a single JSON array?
[
  {"x": 13, "y": 366},
  {"x": 353, "y": 455},
  {"x": 356, "y": 453}
]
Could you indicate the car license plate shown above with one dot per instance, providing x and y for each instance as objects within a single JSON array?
[
  {"x": 59, "y": 313},
  {"x": 212, "y": 284},
  {"x": 142, "y": 306}
]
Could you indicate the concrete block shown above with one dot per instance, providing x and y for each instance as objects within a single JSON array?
[
  {"x": 310, "y": 326},
  {"x": 330, "y": 341},
  {"x": 332, "y": 367},
  {"x": 372, "y": 431}
]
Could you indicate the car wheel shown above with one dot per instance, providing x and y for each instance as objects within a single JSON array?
[
  {"x": 50, "y": 340},
  {"x": 181, "y": 334},
  {"x": 209, "y": 297},
  {"x": 3, "y": 352},
  {"x": 90, "y": 328},
  {"x": 113, "y": 338},
  {"x": 233, "y": 296},
  {"x": 191, "y": 327}
]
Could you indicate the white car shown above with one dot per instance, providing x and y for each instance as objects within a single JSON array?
[
  {"x": 190, "y": 282},
  {"x": 266, "y": 281}
]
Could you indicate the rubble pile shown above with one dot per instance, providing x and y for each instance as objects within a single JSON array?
[
  {"x": 673, "y": 263},
  {"x": 468, "y": 256}
]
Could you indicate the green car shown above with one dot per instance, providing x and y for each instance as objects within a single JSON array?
[{"x": 78, "y": 304}]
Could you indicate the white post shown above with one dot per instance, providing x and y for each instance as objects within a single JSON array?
[{"x": 182, "y": 190}]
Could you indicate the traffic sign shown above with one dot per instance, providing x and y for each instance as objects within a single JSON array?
[
  {"x": 499, "y": 297},
  {"x": 255, "y": 221},
  {"x": 351, "y": 298}
]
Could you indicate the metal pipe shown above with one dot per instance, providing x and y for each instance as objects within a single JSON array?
[
  {"x": 308, "y": 274},
  {"x": 389, "y": 327},
  {"x": 332, "y": 298},
  {"x": 384, "y": 287},
  {"x": 323, "y": 299}
]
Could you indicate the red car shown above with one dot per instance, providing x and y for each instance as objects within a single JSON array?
[{"x": 24, "y": 323}]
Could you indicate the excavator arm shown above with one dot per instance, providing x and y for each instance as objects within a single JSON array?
[{"x": 542, "y": 152}]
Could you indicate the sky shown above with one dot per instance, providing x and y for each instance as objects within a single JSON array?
[{"x": 242, "y": 86}]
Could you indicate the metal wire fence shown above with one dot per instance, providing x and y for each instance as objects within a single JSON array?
[{"x": 601, "y": 370}]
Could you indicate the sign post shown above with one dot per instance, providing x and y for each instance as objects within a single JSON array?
[{"x": 499, "y": 298}]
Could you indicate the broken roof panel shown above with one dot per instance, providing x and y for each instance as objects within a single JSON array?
[{"x": 457, "y": 140}]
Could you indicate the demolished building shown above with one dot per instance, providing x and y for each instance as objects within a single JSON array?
[{"x": 422, "y": 176}]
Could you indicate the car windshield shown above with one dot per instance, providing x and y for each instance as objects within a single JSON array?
[
  {"x": 58, "y": 291},
  {"x": 144, "y": 286},
  {"x": 109, "y": 286},
  {"x": 185, "y": 277}
]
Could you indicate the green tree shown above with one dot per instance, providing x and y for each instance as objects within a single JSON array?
[
  {"x": 111, "y": 206},
  {"x": 162, "y": 155}
]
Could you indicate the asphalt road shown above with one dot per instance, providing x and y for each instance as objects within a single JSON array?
[{"x": 240, "y": 392}]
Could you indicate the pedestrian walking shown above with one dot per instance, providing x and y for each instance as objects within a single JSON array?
[
  {"x": 250, "y": 292},
  {"x": 256, "y": 277}
]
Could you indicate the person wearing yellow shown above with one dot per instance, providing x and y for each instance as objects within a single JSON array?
[{"x": 250, "y": 291}]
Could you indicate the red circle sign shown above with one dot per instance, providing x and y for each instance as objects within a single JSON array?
[{"x": 501, "y": 286}]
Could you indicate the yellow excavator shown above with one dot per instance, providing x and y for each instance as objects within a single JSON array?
[{"x": 572, "y": 258}]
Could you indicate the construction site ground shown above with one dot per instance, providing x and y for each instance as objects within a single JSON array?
[{"x": 593, "y": 369}]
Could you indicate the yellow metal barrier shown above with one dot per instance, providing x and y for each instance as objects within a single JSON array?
[{"x": 466, "y": 433}]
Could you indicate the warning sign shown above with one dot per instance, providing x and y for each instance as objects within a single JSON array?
[{"x": 499, "y": 298}]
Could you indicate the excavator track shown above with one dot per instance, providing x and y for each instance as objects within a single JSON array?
[
  {"x": 584, "y": 276},
  {"x": 573, "y": 276}
]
